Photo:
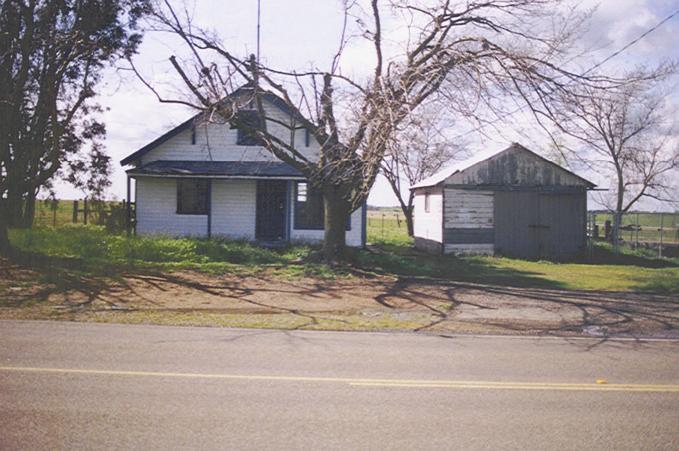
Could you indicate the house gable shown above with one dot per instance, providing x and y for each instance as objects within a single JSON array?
[{"x": 200, "y": 140}]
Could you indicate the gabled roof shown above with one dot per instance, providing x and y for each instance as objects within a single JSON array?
[
  {"x": 480, "y": 157},
  {"x": 269, "y": 96},
  {"x": 217, "y": 168}
]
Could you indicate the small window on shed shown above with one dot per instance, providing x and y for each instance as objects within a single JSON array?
[
  {"x": 192, "y": 196},
  {"x": 251, "y": 119},
  {"x": 426, "y": 202}
]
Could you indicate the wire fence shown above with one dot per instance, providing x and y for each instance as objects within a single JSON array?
[
  {"x": 57, "y": 213},
  {"x": 638, "y": 229}
]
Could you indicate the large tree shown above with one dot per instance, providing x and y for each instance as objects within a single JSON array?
[
  {"x": 419, "y": 148},
  {"x": 626, "y": 133},
  {"x": 480, "y": 52},
  {"x": 52, "y": 56}
]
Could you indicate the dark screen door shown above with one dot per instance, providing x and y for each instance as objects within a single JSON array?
[{"x": 270, "y": 222}]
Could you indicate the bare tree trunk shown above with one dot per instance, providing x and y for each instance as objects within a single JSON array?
[
  {"x": 408, "y": 213},
  {"x": 4, "y": 238},
  {"x": 617, "y": 216},
  {"x": 336, "y": 218},
  {"x": 28, "y": 213}
]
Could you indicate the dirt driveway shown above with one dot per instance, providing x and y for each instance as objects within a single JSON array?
[{"x": 353, "y": 303}]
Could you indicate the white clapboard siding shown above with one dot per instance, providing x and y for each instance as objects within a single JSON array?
[
  {"x": 468, "y": 209},
  {"x": 353, "y": 236},
  {"x": 234, "y": 204},
  {"x": 469, "y": 249},
  {"x": 217, "y": 142},
  {"x": 156, "y": 210},
  {"x": 429, "y": 225}
]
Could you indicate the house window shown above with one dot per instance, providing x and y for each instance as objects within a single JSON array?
[
  {"x": 251, "y": 119},
  {"x": 307, "y": 137},
  {"x": 193, "y": 135},
  {"x": 426, "y": 202},
  {"x": 309, "y": 208},
  {"x": 192, "y": 196}
]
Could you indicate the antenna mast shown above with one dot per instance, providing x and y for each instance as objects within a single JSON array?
[{"x": 258, "y": 22}]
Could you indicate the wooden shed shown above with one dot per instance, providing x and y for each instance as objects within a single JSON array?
[{"x": 512, "y": 202}]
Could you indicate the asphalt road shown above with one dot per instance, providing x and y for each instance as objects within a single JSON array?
[{"x": 69, "y": 385}]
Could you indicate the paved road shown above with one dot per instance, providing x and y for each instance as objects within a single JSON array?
[{"x": 69, "y": 385}]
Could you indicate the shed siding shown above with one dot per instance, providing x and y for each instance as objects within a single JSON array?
[
  {"x": 468, "y": 222},
  {"x": 234, "y": 208},
  {"x": 540, "y": 225},
  {"x": 428, "y": 225},
  {"x": 156, "y": 210},
  {"x": 217, "y": 142},
  {"x": 515, "y": 167}
]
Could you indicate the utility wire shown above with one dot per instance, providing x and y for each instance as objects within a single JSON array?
[{"x": 597, "y": 65}]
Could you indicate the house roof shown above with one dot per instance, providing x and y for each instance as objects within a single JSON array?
[
  {"x": 269, "y": 96},
  {"x": 480, "y": 157},
  {"x": 217, "y": 169}
]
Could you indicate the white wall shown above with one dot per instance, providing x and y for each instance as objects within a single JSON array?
[
  {"x": 217, "y": 142},
  {"x": 157, "y": 210},
  {"x": 234, "y": 207},
  {"x": 429, "y": 225},
  {"x": 353, "y": 237}
]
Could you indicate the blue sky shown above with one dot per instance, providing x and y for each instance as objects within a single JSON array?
[{"x": 299, "y": 33}]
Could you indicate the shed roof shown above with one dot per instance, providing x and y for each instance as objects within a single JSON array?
[
  {"x": 269, "y": 169},
  {"x": 480, "y": 157}
]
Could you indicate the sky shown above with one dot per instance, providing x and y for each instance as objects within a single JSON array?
[{"x": 302, "y": 33}]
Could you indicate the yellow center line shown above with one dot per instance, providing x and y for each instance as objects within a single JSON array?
[{"x": 359, "y": 382}]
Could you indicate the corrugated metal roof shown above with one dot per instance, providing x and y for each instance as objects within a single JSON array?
[{"x": 218, "y": 168}]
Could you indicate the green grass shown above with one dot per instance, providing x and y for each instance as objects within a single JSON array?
[{"x": 100, "y": 252}]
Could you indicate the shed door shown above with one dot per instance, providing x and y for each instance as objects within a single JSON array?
[
  {"x": 270, "y": 222},
  {"x": 515, "y": 217},
  {"x": 539, "y": 225}
]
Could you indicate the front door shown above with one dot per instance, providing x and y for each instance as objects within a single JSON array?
[{"x": 270, "y": 222}]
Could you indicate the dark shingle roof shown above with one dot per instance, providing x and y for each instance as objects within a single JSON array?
[{"x": 218, "y": 168}]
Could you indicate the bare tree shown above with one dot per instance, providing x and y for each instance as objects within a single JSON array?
[
  {"x": 419, "y": 148},
  {"x": 627, "y": 133},
  {"x": 479, "y": 49}
]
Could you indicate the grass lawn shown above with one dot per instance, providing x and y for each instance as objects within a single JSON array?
[
  {"x": 94, "y": 251},
  {"x": 83, "y": 273}
]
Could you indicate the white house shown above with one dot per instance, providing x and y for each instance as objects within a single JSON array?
[{"x": 208, "y": 179}]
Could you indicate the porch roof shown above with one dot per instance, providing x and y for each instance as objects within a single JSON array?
[{"x": 220, "y": 169}]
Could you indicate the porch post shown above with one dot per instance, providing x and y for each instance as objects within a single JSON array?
[
  {"x": 209, "y": 208},
  {"x": 288, "y": 209},
  {"x": 128, "y": 212}
]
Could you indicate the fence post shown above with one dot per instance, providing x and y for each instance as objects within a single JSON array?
[
  {"x": 85, "y": 211},
  {"x": 636, "y": 245},
  {"x": 661, "y": 233},
  {"x": 383, "y": 226},
  {"x": 75, "y": 212}
]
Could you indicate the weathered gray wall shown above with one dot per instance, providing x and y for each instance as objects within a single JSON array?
[{"x": 533, "y": 225}]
